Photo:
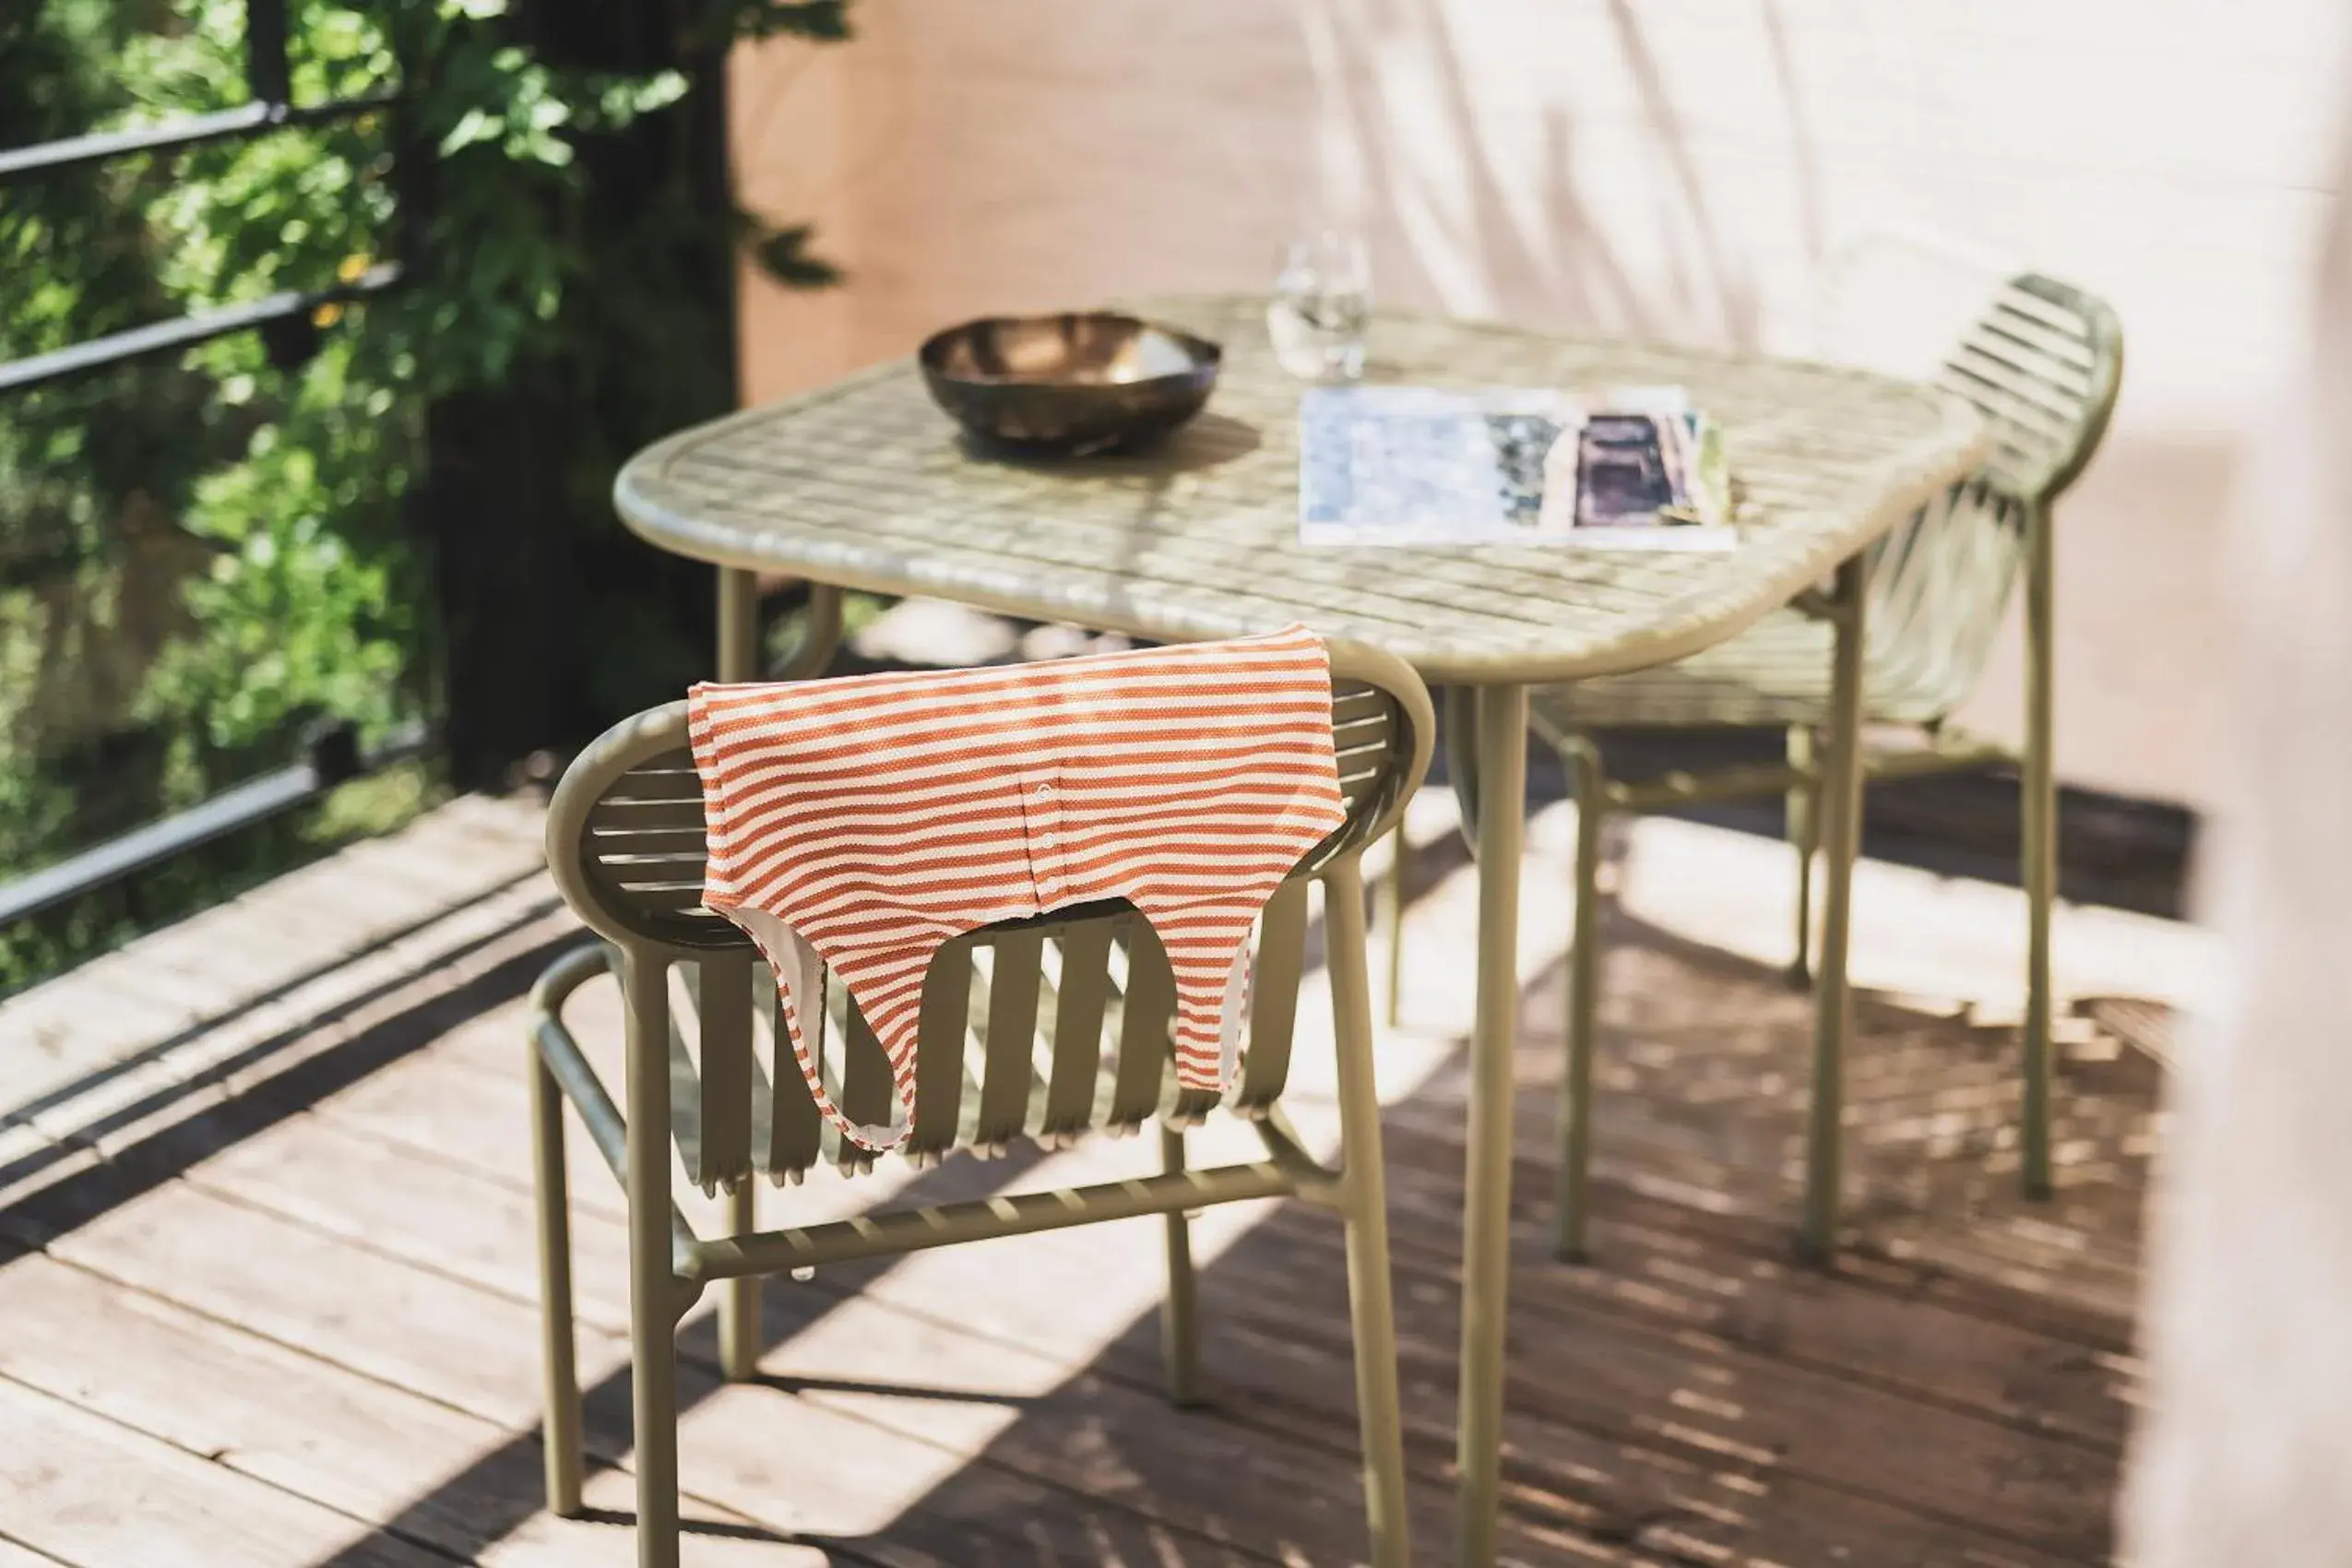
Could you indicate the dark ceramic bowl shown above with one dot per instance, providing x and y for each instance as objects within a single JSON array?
[{"x": 1085, "y": 382}]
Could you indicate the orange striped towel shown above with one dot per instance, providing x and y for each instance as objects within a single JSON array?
[{"x": 859, "y": 823}]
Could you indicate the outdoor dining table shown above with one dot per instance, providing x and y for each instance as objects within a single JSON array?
[{"x": 864, "y": 485}]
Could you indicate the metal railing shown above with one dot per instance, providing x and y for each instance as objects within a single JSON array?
[
  {"x": 333, "y": 755},
  {"x": 269, "y": 77}
]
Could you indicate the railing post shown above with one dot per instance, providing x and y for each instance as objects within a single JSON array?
[{"x": 268, "y": 74}]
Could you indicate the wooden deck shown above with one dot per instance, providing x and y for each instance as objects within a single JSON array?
[{"x": 265, "y": 1296}]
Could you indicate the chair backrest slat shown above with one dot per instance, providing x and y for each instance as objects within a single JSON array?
[
  {"x": 793, "y": 1121},
  {"x": 1145, "y": 1006},
  {"x": 638, "y": 814},
  {"x": 1075, "y": 1009},
  {"x": 865, "y": 1093},
  {"x": 939, "y": 1049},
  {"x": 1012, "y": 978},
  {"x": 723, "y": 1029},
  {"x": 1274, "y": 997},
  {"x": 2042, "y": 365},
  {"x": 1082, "y": 997},
  {"x": 2040, "y": 360}
]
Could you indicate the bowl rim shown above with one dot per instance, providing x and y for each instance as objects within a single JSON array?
[{"x": 1209, "y": 356}]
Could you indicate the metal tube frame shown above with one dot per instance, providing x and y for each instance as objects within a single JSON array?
[
  {"x": 1500, "y": 747},
  {"x": 1841, "y": 830},
  {"x": 1570, "y": 1196},
  {"x": 2038, "y": 809}
]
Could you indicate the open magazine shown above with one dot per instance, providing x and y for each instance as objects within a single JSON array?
[{"x": 1628, "y": 468}]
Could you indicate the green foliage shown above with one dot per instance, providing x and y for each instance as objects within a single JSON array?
[{"x": 200, "y": 556}]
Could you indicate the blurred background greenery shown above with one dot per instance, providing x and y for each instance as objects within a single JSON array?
[{"x": 211, "y": 557}]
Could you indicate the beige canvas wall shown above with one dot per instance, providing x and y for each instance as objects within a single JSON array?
[{"x": 1666, "y": 167}]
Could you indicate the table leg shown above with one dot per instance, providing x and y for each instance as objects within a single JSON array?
[
  {"x": 737, "y": 624},
  {"x": 1501, "y": 722},
  {"x": 1841, "y": 833},
  {"x": 739, "y": 1308},
  {"x": 739, "y": 648}
]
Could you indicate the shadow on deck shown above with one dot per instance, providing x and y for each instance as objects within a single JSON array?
[{"x": 271, "y": 1296}]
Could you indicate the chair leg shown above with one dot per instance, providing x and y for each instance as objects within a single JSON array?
[
  {"x": 1180, "y": 1322},
  {"x": 653, "y": 1283},
  {"x": 559, "y": 1360},
  {"x": 1841, "y": 836},
  {"x": 1804, "y": 837},
  {"x": 1393, "y": 916},
  {"x": 1364, "y": 1202},
  {"x": 2038, "y": 814},
  {"x": 739, "y": 1336},
  {"x": 1570, "y": 1198}
]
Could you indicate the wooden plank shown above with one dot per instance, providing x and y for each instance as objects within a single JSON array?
[
  {"x": 458, "y": 1221},
  {"x": 451, "y": 1107},
  {"x": 1695, "y": 1096},
  {"x": 2060, "y": 1286},
  {"x": 809, "y": 1470},
  {"x": 354, "y": 1444},
  {"x": 1956, "y": 1395},
  {"x": 1745, "y": 1217},
  {"x": 1032, "y": 1303},
  {"x": 117, "y": 1097},
  {"x": 486, "y": 1488},
  {"x": 714, "y": 1537},
  {"x": 1278, "y": 1359},
  {"x": 1193, "y": 1475},
  {"x": 1025, "y": 1302},
  {"x": 851, "y": 1483},
  {"x": 1656, "y": 1272},
  {"x": 445, "y": 1338},
  {"x": 433, "y": 1476},
  {"x": 375, "y": 1307},
  {"x": 1643, "y": 1496},
  {"x": 98, "y": 1495},
  {"x": 1706, "y": 1398}
]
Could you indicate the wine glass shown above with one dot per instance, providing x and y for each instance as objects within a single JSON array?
[{"x": 1322, "y": 304}]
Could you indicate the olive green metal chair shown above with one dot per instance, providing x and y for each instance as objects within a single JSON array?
[
  {"x": 1012, "y": 1043},
  {"x": 2041, "y": 359}
]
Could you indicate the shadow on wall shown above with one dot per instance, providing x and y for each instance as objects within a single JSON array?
[{"x": 1439, "y": 131}]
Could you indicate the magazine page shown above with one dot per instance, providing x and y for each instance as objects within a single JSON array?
[{"x": 1628, "y": 468}]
